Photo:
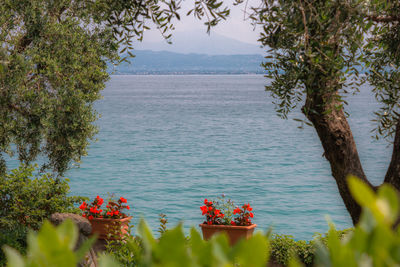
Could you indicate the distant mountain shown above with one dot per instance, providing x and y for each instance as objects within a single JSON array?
[
  {"x": 199, "y": 42},
  {"x": 163, "y": 62}
]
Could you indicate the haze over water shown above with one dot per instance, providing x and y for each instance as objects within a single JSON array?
[{"x": 167, "y": 142}]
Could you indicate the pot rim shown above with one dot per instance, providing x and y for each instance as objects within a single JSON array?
[
  {"x": 222, "y": 226},
  {"x": 111, "y": 219}
]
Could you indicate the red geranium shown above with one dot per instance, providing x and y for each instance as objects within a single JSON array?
[
  {"x": 224, "y": 212},
  {"x": 213, "y": 215},
  {"x": 244, "y": 215},
  {"x": 113, "y": 209}
]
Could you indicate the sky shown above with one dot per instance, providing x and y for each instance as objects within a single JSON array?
[{"x": 235, "y": 27}]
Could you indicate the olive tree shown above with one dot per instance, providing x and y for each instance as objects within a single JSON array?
[
  {"x": 53, "y": 65},
  {"x": 316, "y": 49}
]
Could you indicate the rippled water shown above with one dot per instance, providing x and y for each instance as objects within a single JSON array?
[{"x": 167, "y": 142}]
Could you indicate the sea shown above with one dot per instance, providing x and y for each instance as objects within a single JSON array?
[{"x": 167, "y": 142}]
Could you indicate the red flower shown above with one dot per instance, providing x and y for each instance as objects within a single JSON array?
[
  {"x": 127, "y": 207},
  {"x": 83, "y": 205},
  {"x": 99, "y": 200},
  {"x": 217, "y": 212},
  {"x": 210, "y": 208},
  {"x": 237, "y": 210},
  {"x": 123, "y": 200},
  {"x": 116, "y": 212},
  {"x": 83, "y": 215},
  {"x": 251, "y": 215},
  {"x": 205, "y": 201},
  {"x": 90, "y": 217},
  {"x": 233, "y": 223},
  {"x": 246, "y": 206},
  {"x": 209, "y": 222},
  {"x": 204, "y": 209},
  {"x": 249, "y": 208}
]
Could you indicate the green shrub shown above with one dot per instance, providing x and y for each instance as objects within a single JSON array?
[
  {"x": 123, "y": 250},
  {"x": 173, "y": 248},
  {"x": 15, "y": 239},
  {"x": 26, "y": 201},
  {"x": 51, "y": 246},
  {"x": 375, "y": 241},
  {"x": 29, "y": 201},
  {"x": 283, "y": 247},
  {"x": 54, "y": 247}
]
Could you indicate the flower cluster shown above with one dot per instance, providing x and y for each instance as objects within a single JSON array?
[
  {"x": 113, "y": 209},
  {"x": 214, "y": 216},
  {"x": 244, "y": 215}
]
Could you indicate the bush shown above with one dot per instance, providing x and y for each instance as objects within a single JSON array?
[
  {"x": 123, "y": 250},
  {"x": 26, "y": 201},
  {"x": 29, "y": 201},
  {"x": 283, "y": 247},
  {"x": 51, "y": 246},
  {"x": 15, "y": 239}
]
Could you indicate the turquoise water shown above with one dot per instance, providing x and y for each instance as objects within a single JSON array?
[{"x": 167, "y": 142}]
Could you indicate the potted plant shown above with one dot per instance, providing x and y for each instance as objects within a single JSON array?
[
  {"x": 223, "y": 216},
  {"x": 111, "y": 223}
]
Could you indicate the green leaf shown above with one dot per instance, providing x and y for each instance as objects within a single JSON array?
[
  {"x": 388, "y": 202},
  {"x": 149, "y": 243},
  {"x": 14, "y": 259},
  {"x": 252, "y": 252},
  {"x": 200, "y": 249},
  {"x": 361, "y": 192},
  {"x": 107, "y": 261},
  {"x": 68, "y": 233},
  {"x": 176, "y": 254}
]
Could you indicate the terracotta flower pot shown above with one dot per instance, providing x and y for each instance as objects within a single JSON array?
[
  {"x": 235, "y": 233},
  {"x": 103, "y": 227}
]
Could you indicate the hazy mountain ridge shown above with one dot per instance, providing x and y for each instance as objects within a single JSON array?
[
  {"x": 163, "y": 62},
  {"x": 197, "y": 41}
]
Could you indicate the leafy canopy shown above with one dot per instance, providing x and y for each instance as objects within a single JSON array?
[
  {"x": 317, "y": 49},
  {"x": 53, "y": 57}
]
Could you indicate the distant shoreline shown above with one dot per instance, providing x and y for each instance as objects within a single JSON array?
[{"x": 182, "y": 74}]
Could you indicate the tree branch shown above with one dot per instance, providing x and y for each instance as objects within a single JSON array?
[
  {"x": 18, "y": 109},
  {"x": 384, "y": 18},
  {"x": 306, "y": 35}
]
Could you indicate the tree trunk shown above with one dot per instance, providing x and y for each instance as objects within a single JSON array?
[
  {"x": 393, "y": 173},
  {"x": 339, "y": 147}
]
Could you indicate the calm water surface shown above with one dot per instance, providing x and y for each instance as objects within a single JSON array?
[{"x": 167, "y": 142}]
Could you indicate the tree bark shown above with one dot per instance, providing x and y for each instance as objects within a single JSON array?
[
  {"x": 393, "y": 173},
  {"x": 339, "y": 147}
]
